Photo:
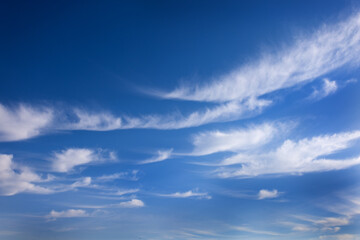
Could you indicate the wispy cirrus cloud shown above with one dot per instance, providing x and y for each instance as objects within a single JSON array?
[
  {"x": 129, "y": 175},
  {"x": 161, "y": 156},
  {"x": 27, "y": 121},
  {"x": 68, "y": 159},
  {"x": 133, "y": 203},
  {"x": 327, "y": 49},
  {"x": 15, "y": 178},
  {"x": 83, "y": 182},
  {"x": 344, "y": 206},
  {"x": 23, "y": 121},
  {"x": 316, "y": 224},
  {"x": 322, "y": 224},
  {"x": 340, "y": 237},
  {"x": 345, "y": 203},
  {"x": 328, "y": 87},
  {"x": 256, "y": 231},
  {"x": 235, "y": 140},
  {"x": 85, "y": 120},
  {"x": 101, "y": 121},
  {"x": 188, "y": 194},
  {"x": 126, "y": 191},
  {"x": 302, "y": 156}
]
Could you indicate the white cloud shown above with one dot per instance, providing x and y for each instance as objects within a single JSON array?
[
  {"x": 188, "y": 194},
  {"x": 332, "y": 221},
  {"x": 326, "y": 50},
  {"x": 161, "y": 156},
  {"x": 263, "y": 194},
  {"x": 340, "y": 237},
  {"x": 16, "y": 178},
  {"x": 347, "y": 203},
  {"x": 223, "y": 112},
  {"x": 234, "y": 140},
  {"x": 66, "y": 160},
  {"x": 133, "y": 203},
  {"x": 130, "y": 175},
  {"x": 303, "y": 228},
  {"x": 71, "y": 213},
  {"x": 332, "y": 224},
  {"x": 328, "y": 87},
  {"x": 94, "y": 121},
  {"x": 23, "y": 122},
  {"x": 319, "y": 224},
  {"x": 294, "y": 157},
  {"x": 261, "y": 232},
  {"x": 84, "y": 182},
  {"x": 127, "y": 191}
]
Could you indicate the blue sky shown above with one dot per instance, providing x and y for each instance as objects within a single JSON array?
[{"x": 180, "y": 120}]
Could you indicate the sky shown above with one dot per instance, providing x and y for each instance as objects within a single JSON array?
[{"x": 180, "y": 120}]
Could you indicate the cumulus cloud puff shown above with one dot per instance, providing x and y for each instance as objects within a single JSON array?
[
  {"x": 263, "y": 194},
  {"x": 133, "y": 203},
  {"x": 71, "y": 213}
]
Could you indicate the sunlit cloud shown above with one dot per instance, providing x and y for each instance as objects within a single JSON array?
[
  {"x": 66, "y": 160},
  {"x": 129, "y": 175},
  {"x": 188, "y": 194},
  {"x": 235, "y": 140},
  {"x": 161, "y": 156},
  {"x": 23, "y": 121},
  {"x": 327, "y": 49},
  {"x": 306, "y": 155},
  {"x": 71, "y": 213},
  {"x": 264, "y": 194},
  {"x": 133, "y": 203},
  {"x": 16, "y": 178},
  {"x": 328, "y": 87}
]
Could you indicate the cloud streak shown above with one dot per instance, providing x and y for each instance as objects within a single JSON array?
[
  {"x": 328, "y": 87},
  {"x": 234, "y": 140},
  {"x": 26, "y": 121},
  {"x": 327, "y": 49},
  {"x": 15, "y": 178},
  {"x": 71, "y": 213},
  {"x": 161, "y": 156},
  {"x": 67, "y": 160},
  {"x": 303, "y": 156},
  {"x": 188, "y": 194},
  {"x": 23, "y": 122},
  {"x": 255, "y": 231}
]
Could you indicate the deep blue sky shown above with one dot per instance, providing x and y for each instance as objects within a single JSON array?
[{"x": 179, "y": 120}]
